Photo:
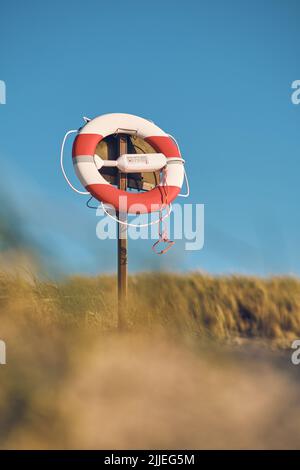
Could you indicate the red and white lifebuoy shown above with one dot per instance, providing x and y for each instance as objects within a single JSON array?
[{"x": 84, "y": 148}]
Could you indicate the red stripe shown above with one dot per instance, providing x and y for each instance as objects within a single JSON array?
[
  {"x": 164, "y": 144},
  {"x": 85, "y": 144},
  {"x": 150, "y": 201}
]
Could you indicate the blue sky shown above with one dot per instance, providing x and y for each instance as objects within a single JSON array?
[{"x": 215, "y": 74}]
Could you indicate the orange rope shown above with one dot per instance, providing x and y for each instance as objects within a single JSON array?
[{"x": 162, "y": 226}]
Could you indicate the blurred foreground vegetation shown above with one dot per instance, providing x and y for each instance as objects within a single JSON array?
[{"x": 193, "y": 368}]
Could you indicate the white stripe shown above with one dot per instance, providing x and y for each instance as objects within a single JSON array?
[
  {"x": 175, "y": 175},
  {"x": 86, "y": 170},
  {"x": 108, "y": 124},
  {"x": 83, "y": 158}
]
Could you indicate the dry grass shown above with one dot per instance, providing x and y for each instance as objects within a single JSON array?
[
  {"x": 193, "y": 304},
  {"x": 172, "y": 380}
]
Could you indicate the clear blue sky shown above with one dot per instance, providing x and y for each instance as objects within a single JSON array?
[{"x": 215, "y": 74}]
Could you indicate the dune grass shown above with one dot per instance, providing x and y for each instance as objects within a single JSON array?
[{"x": 195, "y": 304}]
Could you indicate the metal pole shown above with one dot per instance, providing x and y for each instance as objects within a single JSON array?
[{"x": 122, "y": 242}]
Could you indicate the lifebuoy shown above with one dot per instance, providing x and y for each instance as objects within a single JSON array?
[{"x": 94, "y": 131}]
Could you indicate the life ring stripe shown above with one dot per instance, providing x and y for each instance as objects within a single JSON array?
[
  {"x": 164, "y": 144},
  {"x": 151, "y": 201},
  {"x": 85, "y": 144}
]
